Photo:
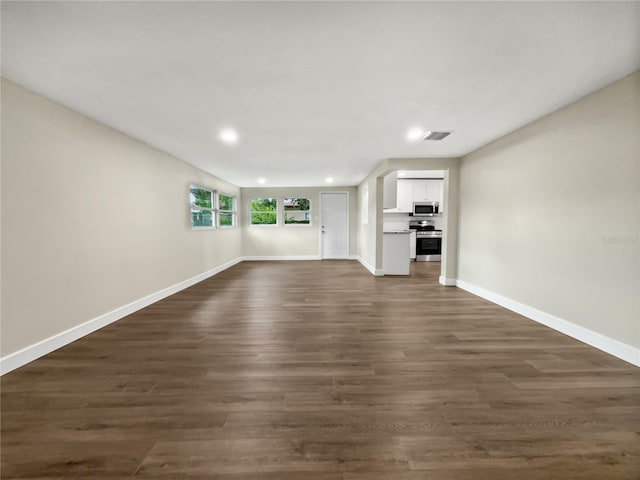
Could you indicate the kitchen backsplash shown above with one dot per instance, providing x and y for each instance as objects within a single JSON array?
[{"x": 400, "y": 221}]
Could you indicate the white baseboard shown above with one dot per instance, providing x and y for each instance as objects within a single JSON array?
[
  {"x": 447, "y": 282},
  {"x": 371, "y": 268},
  {"x": 22, "y": 357},
  {"x": 32, "y": 352},
  {"x": 281, "y": 257},
  {"x": 601, "y": 342}
]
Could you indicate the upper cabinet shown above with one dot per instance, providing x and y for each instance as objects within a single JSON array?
[
  {"x": 433, "y": 190},
  {"x": 405, "y": 195},
  {"x": 419, "y": 190},
  {"x": 390, "y": 191}
]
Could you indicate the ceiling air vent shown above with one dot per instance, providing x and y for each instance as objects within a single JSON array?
[{"x": 435, "y": 135}]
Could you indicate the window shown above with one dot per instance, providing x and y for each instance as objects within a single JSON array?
[
  {"x": 297, "y": 211},
  {"x": 203, "y": 212},
  {"x": 264, "y": 211},
  {"x": 227, "y": 205}
]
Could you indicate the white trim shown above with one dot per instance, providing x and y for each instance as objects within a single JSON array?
[
  {"x": 32, "y": 352},
  {"x": 609, "y": 345},
  {"x": 28, "y": 354},
  {"x": 212, "y": 227},
  {"x": 260, "y": 258},
  {"x": 368, "y": 266},
  {"x": 447, "y": 282},
  {"x": 213, "y": 209},
  {"x": 234, "y": 212}
]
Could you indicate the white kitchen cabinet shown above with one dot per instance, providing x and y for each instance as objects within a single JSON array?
[
  {"x": 395, "y": 253},
  {"x": 433, "y": 190},
  {"x": 405, "y": 195},
  {"x": 419, "y": 190},
  {"x": 390, "y": 191},
  {"x": 412, "y": 245},
  {"x": 440, "y": 195}
]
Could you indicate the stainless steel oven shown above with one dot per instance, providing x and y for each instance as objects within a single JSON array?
[
  {"x": 429, "y": 246},
  {"x": 428, "y": 241}
]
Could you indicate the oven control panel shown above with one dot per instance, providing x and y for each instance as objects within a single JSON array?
[{"x": 429, "y": 234}]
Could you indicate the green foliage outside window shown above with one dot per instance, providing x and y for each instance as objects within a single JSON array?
[
  {"x": 201, "y": 197},
  {"x": 202, "y": 207},
  {"x": 297, "y": 211},
  {"x": 264, "y": 211},
  {"x": 226, "y": 219},
  {"x": 226, "y": 202},
  {"x": 227, "y": 210}
]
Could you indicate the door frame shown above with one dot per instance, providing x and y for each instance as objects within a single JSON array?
[
  {"x": 321, "y": 241},
  {"x": 451, "y": 216}
]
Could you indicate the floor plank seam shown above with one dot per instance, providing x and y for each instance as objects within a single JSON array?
[{"x": 135, "y": 472}]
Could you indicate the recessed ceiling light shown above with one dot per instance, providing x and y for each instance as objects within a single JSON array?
[
  {"x": 229, "y": 136},
  {"x": 329, "y": 180},
  {"x": 414, "y": 134},
  {"x": 261, "y": 180}
]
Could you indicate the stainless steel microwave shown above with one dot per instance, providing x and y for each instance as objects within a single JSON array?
[{"x": 425, "y": 209}]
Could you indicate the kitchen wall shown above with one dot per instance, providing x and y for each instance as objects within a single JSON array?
[
  {"x": 92, "y": 220},
  {"x": 395, "y": 221},
  {"x": 400, "y": 221},
  {"x": 549, "y": 216},
  {"x": 292, "y": 240}
]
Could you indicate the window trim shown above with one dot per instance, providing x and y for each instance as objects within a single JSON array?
[
  {"x": 213, "y": 209},
  {"x": 276, "y": 211},
  {"x": 284, "y": 213},
  {"x": 233, "y": 211}
]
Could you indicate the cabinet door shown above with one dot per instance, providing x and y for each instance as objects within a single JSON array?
[
  {"x": 433, "y": 188},
  {"x": 419, "y": 190},
  {"x": 412, "y": 245},
  {"x": 441, "y": 196},
  {"x": 405, "y": 195}
]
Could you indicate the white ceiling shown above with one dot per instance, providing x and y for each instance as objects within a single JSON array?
[{"x": 316, "y": 89}]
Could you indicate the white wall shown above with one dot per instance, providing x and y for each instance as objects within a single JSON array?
[
  {"x": 91, "y": 220},
  {"x": 368, "y": 205},
  {"x": 549, "y": 214},
  {"x": 292, "y": 240}
]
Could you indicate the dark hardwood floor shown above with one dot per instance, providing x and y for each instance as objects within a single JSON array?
[{"x": 320, "y": 371}]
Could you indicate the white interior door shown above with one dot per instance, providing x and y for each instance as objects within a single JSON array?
[{"x": 334, "y": 225}]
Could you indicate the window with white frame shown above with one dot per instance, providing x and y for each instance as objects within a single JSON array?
[
  {"x": 263, "y": 211},
  {"x": 227, "y": 214},
  {"x": 297, "y": 211},
  {"x": 203, "y": 207}
]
